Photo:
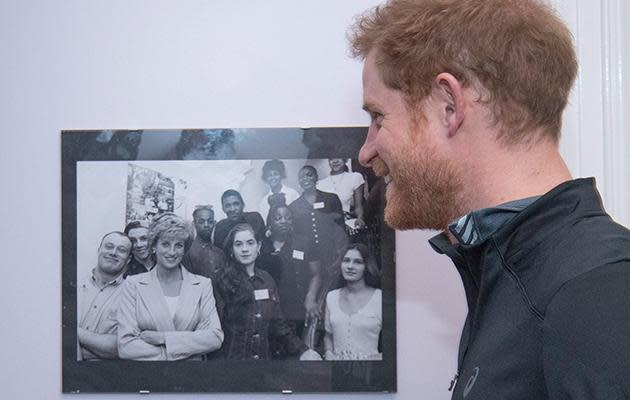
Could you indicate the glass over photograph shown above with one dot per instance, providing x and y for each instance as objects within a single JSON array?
[{"x": 192, "y": 258}]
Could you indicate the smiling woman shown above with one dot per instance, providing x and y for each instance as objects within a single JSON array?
[
  {"x": 252, "y": 317},
  {"x": 354, "y": 312},
  {"x": 168, "y": 313},
  {"x": 273, "y": 173}
]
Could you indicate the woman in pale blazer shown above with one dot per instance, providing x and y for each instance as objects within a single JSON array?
[{"x": 168, "y": 313}]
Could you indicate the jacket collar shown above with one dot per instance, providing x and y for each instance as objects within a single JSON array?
[
  {"x": 476, "y": 226},
  {"x": 114, "y": 282},
  {"x": 529, "y": 226},
  {"x": 149, "y": 287}
]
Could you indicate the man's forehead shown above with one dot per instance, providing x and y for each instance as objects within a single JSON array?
[
  {"x": 204, "y": 214},
  {"x": 370, "y": 68},
  {"x": 139, "y": 231},
  {"x": 373, "y": 85},
  {"x": 232, "y": 199},
  {"x": 116, "y": 239}
]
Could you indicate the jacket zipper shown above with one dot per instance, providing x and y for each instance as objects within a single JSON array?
[{"x": 454, "y": 381}]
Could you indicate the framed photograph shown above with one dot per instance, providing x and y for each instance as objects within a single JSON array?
[{"x": 225, "y": 260}]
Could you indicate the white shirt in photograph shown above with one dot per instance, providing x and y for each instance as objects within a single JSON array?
[
  {"x": 290, "y": 195},
  {"x": 343, "y": 185}
]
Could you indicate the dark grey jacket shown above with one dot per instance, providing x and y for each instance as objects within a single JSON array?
[{"x": 549, "y": 303}]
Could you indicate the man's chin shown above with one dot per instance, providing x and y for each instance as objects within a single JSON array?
[
  {"x": 205, "y": 236},
  {"x": 394, "y": 215},
  {"x": 404, "y": 213},
  {"x": 397, "y": 221}
]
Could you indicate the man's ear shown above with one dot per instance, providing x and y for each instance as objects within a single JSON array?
[{"x": 449, "y": 96}]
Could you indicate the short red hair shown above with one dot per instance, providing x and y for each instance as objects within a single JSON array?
[{"x": 517, "y": 53}]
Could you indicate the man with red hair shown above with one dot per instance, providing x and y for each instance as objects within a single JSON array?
[{"x": 466, "y": 100}]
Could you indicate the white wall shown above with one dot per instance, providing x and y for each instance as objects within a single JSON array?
[
  {"x": 234, "y": 63},
  {"x": 597, "y": 122}
]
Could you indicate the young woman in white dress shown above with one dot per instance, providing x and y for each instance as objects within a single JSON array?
[{"x": 353, "y": 319}]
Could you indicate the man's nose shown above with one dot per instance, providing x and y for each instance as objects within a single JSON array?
[{"x": 368, "y": 150}]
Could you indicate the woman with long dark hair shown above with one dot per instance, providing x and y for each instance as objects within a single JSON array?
[
  {"x": 353, "y": 319},
  {"x": 251, "y": 312}
]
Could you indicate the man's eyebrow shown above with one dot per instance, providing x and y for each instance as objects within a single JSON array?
[{"x": 368, "y": 107}]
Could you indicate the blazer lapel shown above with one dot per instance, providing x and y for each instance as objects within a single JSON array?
[
  {"x": 188, "y": 300},
  {"x": 153, "y": 297}
]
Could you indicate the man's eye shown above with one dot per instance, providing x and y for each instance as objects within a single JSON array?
[{"x": 377, "y": 118}]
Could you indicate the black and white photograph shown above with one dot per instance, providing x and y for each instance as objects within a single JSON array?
[{"x": 239, "y": 252}]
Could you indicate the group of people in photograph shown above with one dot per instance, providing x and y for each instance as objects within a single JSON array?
[{"x": 291, "y": 280}]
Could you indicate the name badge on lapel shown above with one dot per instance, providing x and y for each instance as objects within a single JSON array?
[
  {"x": 318, "y": 205},
  {"x": 298, "y": 255},
  {"x": 261, "y": 294}
]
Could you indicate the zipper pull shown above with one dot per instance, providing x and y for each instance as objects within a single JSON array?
[{"x": 453, "y": 382}]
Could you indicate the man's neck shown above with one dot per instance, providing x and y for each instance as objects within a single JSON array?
[
  {"x": 102, "y": 278},
  {"x": 238, "y": 218},
  {"x": 279, "y": 237},
  {"x": 506, "y": 174},
  {"x": 147, "y": 262},
  {"x": 204, "y": 241}
]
